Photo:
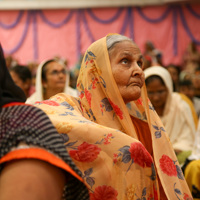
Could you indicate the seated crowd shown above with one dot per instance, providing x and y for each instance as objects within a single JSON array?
[{"x": 127, "y": 91}]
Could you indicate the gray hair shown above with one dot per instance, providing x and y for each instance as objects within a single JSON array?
[{"x": 111, "y": 40}]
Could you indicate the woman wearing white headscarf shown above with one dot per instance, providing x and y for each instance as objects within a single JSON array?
[
  {"x": 174, "y": 112},
  {"x": 51, "y": 78}
]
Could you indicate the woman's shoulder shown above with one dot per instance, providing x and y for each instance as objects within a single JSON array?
[
  {"x": 182, "y": 100},
  {"x": 73, "y": 92},
  {"x": 183, "y": 104},
  {"x": 186, "y": 107},
  {"x": 31, "y": 99},
  {"x": 22, "y": 113},
  {"x": 57, "y": 102}
]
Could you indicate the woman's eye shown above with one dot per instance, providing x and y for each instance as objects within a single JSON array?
[
  {"x": 124, "y": 61},
  {"x": 140, "y": 63}
]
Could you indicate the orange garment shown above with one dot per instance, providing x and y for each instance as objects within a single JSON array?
[
  {"x": 144, "y": 136},
  {"x": 143, "y": 133},
  {"x": 39, "y": 154}
]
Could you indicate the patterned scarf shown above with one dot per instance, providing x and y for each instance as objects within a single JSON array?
[{"x": 102, "y": 141}]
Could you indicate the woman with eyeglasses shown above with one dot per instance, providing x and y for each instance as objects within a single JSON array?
[
  {"x": 51, "y": 78},
  {"x": 173, "y": 110}
]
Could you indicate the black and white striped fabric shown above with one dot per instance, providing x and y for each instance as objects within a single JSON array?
[{"x": 30, "y": 125}]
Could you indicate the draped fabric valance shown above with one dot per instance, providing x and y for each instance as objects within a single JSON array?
[
  {"x": 41, "y": 34},
  {"x": 71, "y": 4}
]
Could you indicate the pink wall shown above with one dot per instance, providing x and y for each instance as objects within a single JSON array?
[{"x": 41, "y": 34}]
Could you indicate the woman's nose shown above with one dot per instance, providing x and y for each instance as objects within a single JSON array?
[{"x": 137, "y": 70}]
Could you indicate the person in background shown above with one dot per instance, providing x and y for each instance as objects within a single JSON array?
[
  {"x": 111, "y": 131},
  {"x": 191, "y": 58},
  {"x": 196, "y": 82},
  {"x": 34, "y": 163},
  {"x": 74, "y": 72},
  {"x": 51, "y": 78},
  {"x": 174, "y": 112},
  {"x": 32, "y": 65},
  {"x": 174, "y": 71},
  {"x": 186, "y": 87},
  {"x": 153, "y": 53},
  {"x": 22, "y": 77},
  {"x": 147, "y": 62},
  {"x": 191, "y": 167},
  {"x": 11, "y": 61}
]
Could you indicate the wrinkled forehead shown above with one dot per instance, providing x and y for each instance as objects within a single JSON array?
[{"x": 125, "y": 47}]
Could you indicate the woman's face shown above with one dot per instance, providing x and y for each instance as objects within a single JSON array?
[
  {"x": 126, "y": 63},
  {"x": 55, "y": 76},
  {"x": 157, "y": 93}
]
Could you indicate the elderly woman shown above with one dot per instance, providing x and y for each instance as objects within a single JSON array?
[
  {"x": 34, "y": 163},
  {"x": 174, "y": 112},
  {"x": 51, "y": 78},
  {"x": 112, "y": 132}
]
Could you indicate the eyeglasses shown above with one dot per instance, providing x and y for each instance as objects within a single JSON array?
[
  {"x": 159, "y": 93},
  {"x": 56, "y": 72}
]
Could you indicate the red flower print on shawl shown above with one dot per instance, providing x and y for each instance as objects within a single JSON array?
[
  {"x": 85, "y": 152},
  {"x": 48, "y": 102},
  {"x": 94, "y": 82},
  {"x": 153, "y": 196},
  {"x": 81, "y": 95},
  {"x": 116, "y": 109},
  {"x": 88, "y": 96},
  {"x": 104, "y": 193},
  {"x": 139, "y": 101},
  {"x": 140, "y": 155},
  {"x": 167, "y": 166},
  {"x": 187, "y": 197},
  {"x": 108, "y": 138}
]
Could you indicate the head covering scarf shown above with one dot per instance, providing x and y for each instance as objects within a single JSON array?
[
  {"x": 9, "y": 91},
  {"x": 102, "y": 141},
  {"x": 38, "y": 95},
  {"x": 177, "y": 116}
]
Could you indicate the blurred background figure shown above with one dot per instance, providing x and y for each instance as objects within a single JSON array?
[
  {"x": 147, "y": 62},
  {"x": 22, "y": 77},
  {"x": 186, "y": 87},
  {"x": 191, "y": 167},
  {"x": 191, "y": 58},
  {"x": 51, "y": 78},
  {"x": 196, "y": 82},
  {"x": 174, "y": 71},
  {"x": 10, "y": 61},
  {"x": 74, "y": 72},
  {"x": 174, "y": 112},
  {"x": 33, "y": 68},
  {"x": 153, "y": 53}
]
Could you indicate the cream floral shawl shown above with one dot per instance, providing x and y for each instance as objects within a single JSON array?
[{"x": 101, "y": 139}]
